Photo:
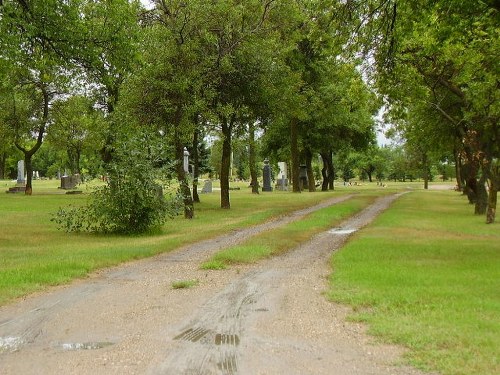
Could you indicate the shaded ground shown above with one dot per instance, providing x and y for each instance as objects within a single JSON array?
[{"x": 269, "y": 318}]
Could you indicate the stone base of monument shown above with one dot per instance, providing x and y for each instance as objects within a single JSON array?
[{"x": 16, "y": 189}]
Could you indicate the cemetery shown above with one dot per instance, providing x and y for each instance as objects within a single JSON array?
[{"x": 249, "y": 187}]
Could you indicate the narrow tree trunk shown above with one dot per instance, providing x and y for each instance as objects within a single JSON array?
[
  {"x": 324, "y": 171},
  {"x": 458, "y": 170},
  {"x": 252, "y": 159},
  {"x": 182, "y": 177},
  {"x": 492, "y": 202},
  {"x": 494, "y": 185},
  {"x": 310, "y": 173},
  {"x": 481, "y": 197},
  {"x": 294, "y": 150},
  {"x": 225, "y": 164},
  {"x": 3, "y": 162},
  {"x": 196, "y": 162}
]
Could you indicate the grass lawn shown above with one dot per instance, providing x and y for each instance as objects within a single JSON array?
[
  {"x": 34, "y": 254},
  {"x": 426, "y": 274}
]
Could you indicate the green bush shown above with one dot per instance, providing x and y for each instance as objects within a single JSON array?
[{"x": 134, "y": 198}]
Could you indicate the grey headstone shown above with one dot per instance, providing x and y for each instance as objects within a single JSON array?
[{"x": 207, "y": 187}]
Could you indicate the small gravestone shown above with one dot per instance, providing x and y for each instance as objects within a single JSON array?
[
  {"x": 70, "y": 182},
  {"x": 266, "y": 176},
  {"x": 207, "y": 187}
]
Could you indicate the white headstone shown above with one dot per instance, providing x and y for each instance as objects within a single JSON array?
[{"x": 20, "y": 172}]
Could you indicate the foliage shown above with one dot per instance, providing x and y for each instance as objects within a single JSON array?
[{"x": 135, "y": 197}]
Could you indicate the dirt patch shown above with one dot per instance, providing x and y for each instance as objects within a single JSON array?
[{"x": 269, "y": 318}]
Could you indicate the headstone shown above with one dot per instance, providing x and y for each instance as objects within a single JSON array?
[
  {"x": 282, "y": 181},
  {"x": 207, "y": 187},
  {"x": 20, "y": 172},
  {"x": 70, "y": 182},
  {"x": 266, "y": 175}
]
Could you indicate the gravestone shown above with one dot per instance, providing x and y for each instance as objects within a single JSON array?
[
  {"x": 20, "y": 172},
  {"x": 207, "y": 187},
  {"x": 70, "y": 182},
  {"x": 282, "y": 181},
  {"x": 266, "y": 175}
]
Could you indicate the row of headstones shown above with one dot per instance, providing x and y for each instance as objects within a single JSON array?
[
  {"x": 67, "y": 182},
  {"x": 281, "y": 183}
]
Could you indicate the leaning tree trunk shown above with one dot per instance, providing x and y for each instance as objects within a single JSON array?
[
  {"x": 310, "y": 174},
  {"x": 252, "y": 159},
  {"x": 294, "y": 151},
  {"x": 225, "y": 163}
]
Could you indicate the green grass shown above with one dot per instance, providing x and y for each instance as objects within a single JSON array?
[
  {"x": 184, "y": 284},
  {"x": 279, "y": 240},
  {"x": 426, "y": 275},
  {"x": 34, "y": 254}
]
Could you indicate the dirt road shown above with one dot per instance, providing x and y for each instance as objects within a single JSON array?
[{"x": 269, "y": 318}]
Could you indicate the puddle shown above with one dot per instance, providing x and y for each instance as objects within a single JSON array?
[
  {"x": 342, "y": 231},
  {"x": 10, "y": 344},
  {"x": 85, "y": 345}
]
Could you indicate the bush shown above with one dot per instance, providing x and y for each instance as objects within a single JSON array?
[{"x": 134, "y": 198}]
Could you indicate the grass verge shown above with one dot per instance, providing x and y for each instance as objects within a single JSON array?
[
  {"x": 279, "y": 240},
  {"x": 426, "y": 275}
]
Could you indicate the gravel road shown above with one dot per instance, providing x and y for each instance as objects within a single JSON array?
[{"x": 269, "y": 318}]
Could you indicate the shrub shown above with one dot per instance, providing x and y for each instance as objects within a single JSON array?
[{"x": 134, "y": 198}]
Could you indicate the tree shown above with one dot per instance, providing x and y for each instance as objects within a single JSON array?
[
  {"x": 449, "y": 50},
  {"x": 76, "y": 127}
]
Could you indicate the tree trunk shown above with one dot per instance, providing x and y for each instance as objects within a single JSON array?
[
  {"x": 481, "y": 197},
  {"x": 324, "y": 171},
  {"x": 331, "y": 171},
  {"x": 252, "y": 159},
  {"x": 28, "y": 154},
  {"x": 492, "y": 202},
  {"x": 225, "y": 163},
  {"x": 3, "y": 162},
  {"x": 310, "y": 174},
  {"x": 196, "y": 163},
  {"x": 183, "y": 181},
  {"x": 494, "y": 185},
  {"x": 294, "y": 150},
  {"x": 29, "y": 173},
  {"x": 458, "y": 171},
  {"x": 187, "y": 199}
]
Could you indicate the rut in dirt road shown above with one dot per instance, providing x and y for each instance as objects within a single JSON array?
[{"x": 220, "y": 337}]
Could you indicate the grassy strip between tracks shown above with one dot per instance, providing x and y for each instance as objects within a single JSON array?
[
  {"x": 426, "y": 275},
  {"x": 34, "y": 254},
  {"x": 279, "y": 240}
]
